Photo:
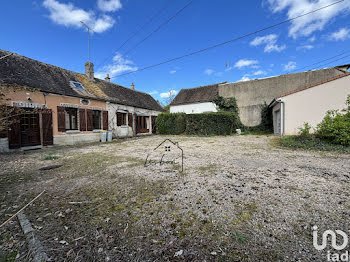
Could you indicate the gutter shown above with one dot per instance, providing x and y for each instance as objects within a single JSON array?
[{"x": 279, "y": 100}]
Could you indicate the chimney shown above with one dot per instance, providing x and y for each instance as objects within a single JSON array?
[
  {"x": 108, "y": 79},
  {"x": 132, "y": 86},
  {"x": 89, "y": 70}
]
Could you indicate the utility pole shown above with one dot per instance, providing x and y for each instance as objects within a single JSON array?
[{"x": 89, "y": 29}]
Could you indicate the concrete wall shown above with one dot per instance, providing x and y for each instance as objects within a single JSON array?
[
  {"x": 125, "y": 131},
  {"x": 311, "y": 105},
  {"x": 4, "y": 145},
  {"x": 252, "y": 94},
  {"x": 73, "y": 139},
  {"x": 195, "y": 108}
]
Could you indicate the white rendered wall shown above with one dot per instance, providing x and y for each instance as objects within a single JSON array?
[
  {"x": 125, "y": 131},
  {"x": 195, "y": 108},
  {"x": 311, "y": 105}
]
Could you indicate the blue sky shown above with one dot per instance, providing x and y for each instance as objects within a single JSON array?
[{"x": 50, "y": 31}]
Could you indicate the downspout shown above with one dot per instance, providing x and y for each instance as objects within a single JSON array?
[{"x": 279, "y": 100}]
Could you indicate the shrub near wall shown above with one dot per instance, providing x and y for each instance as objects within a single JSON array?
[
  {"x": 221, "y": 123},
  {"x": 171, "y": 124}
]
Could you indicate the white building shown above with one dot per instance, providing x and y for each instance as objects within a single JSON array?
[
  {"x": 195, "y": 100},
  {"x": 309, "y": 104}
]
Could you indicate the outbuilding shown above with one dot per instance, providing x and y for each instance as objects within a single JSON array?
[{"x": 309, "y": 104}]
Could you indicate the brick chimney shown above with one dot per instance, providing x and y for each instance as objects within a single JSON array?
[
  {"x": 132, "y": 86},
  {"x": 89, "y": 70},
  {"x": 108, "y": 79}
]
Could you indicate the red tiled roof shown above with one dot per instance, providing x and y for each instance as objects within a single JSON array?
[{"x": 313, "y": 85}]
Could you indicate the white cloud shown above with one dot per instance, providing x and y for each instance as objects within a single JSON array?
[
  {"x": 290, "y": 66},
  {"x": 245, "y": 63},
  {"x": 168, "y": 94},
  {"x": 341, "y": 34},
  {"x": 70, "y": 16},
  {"x": 259, "y": 72},
  {"x": 308, "y": 24},
  {"x": 109, "y": 5},
  {"x": 209, "y": 72},
  {"x": 270, "y": 43},
  {"x": 172, "y": 71},
  {"x": 312, "y": 39},
  {"x": 305, "y": 47},
  {"x": 244, "y": 78},
  {"x": 153, "y": 92},
  {"x": 119, "y": 66}
]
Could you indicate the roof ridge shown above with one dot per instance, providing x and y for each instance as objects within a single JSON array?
[
  {"x": 204, "y": 86},
  {"x": 61, "y": 68},
  {"x": 40, "y": 62}
]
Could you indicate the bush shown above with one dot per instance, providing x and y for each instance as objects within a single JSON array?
[
  {"x": 221, "y": 123},
  {"x": 311, "y": 143},
  {"x": 171, "y": 124},
  {"x": 305, "y": 130},
  {"x": 335, "y": 128}
]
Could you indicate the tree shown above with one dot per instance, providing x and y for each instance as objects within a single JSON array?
[{"x": 169, "y": 97}]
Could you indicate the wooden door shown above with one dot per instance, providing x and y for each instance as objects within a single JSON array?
[
  {"x": 47, "y": 127},
  {"x": 142, "y": 124},
  {"x": 30, "y": 129},
  {"x": 14, "y": 132},
  {"x": 154, "y": 126}
]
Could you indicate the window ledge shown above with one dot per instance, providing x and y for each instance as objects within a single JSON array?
[
  {"x": 72, "y": 131},
  {"x": 97, "y": 130}
]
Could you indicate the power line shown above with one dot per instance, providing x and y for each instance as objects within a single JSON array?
[
  {"x": 321, "y": 61},
  {"x": 334, "y": 61},
  {"x": 140, "y": 29},
  {"x": 159, "y": 27},
  {"x": 229, "y": 41}
]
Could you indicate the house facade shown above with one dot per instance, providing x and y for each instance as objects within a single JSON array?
[
  {"x": 196, "y": 100},
  {"x": 56, "y": 106},
  {"x": 250, "y": 95},
  {"x": 309, "y": 104}
]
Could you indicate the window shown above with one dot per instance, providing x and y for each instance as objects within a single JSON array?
[
  {"x": 71, "y": 119},
  {"x": 121, "y": 119},
  {"x": 77, "y": 86},
  {"x": 96, "y": 119}
]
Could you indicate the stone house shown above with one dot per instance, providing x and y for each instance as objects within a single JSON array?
[{"x": 61, "y": 107}]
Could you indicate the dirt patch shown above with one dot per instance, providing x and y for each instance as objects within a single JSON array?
[{"x": 239, "y": 199}]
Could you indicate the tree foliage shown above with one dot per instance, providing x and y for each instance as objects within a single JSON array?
[{"x": 335, "y": 127}]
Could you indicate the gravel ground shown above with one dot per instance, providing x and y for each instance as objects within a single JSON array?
[{"x": 239, "y": 198}]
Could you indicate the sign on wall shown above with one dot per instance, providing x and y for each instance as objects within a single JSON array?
[{"x": 27, "y": 104}]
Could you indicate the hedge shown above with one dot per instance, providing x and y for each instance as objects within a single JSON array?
[
  {"x": 221, "y": 123},
  {"x": 171, "y": 124}
]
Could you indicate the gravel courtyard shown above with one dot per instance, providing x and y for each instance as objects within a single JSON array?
[{"x": 240, "y": 198}]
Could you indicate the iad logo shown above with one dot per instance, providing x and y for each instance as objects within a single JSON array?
[{"x": 337, "y": 245}]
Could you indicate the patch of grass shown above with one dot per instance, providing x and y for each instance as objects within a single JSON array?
[
  {"x": 10, "y": 257},
  {"x": 211, "y": 168},
  {"x": 50, "y": 157},
  {"x": 310, "y": 143}
]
